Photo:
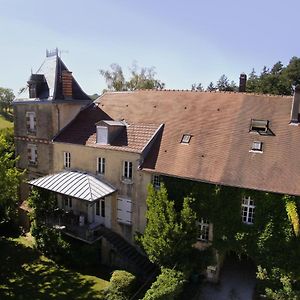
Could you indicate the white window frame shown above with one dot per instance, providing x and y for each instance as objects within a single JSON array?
[
  {"x": 32, "y": 154},
  {"x": 101, "y": 165},
  {"x": 248, "y": 210},
  {"x": 156, "y": 181},
  {"x": 67, "y": 160},
  {"x": 100, "y": 207},
  {"x": 31, "y": 122},
  {"x": 186, "y": 138},
  {"x": 203, "y": 230},
  {"x": 127, "y": 170},
  {"x": 257, "y": 146}
]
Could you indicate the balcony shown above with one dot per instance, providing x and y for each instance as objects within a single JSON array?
[{"x": 75, "y": 226}]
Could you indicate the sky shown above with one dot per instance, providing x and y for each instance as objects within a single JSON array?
[{"x": 186, "y": 41}]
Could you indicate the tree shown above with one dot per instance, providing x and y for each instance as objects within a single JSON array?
[
  {"x": 140, "y": 78},
  {"x": 10, "y": 178},
  {"x": 211, "y": 87},
  {"x": 6, "y": 98},
  {"x": 278, "y": 80},
  {"x": 197, "y": 87},
  {"x": 223, "y": 84},
  {"x": 169, "y": 235}
]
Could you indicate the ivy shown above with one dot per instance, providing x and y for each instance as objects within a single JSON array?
[{"x": 272, "y": 241}]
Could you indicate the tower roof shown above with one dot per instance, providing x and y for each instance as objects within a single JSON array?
[{"x": 52, "y": 89}]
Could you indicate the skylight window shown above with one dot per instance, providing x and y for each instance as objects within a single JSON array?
[
  {"x": 186, "y": 139},
  {"x": 256, "y": 146},
  {"x": 262, "y": 127}
]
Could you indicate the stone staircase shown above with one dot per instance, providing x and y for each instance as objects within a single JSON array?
[{"x": 137, "y": 261}]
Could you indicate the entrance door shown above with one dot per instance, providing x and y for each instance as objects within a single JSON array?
[{"x": 100, "y": 211}]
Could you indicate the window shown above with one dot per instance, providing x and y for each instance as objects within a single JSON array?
[
  {"x": 248, "y": 210},
  {"x": 127, "y": 170},
  {"x": 32, "y": 154},
  {"x": 259, "y": 126},
  {"x": 186, "y": 139},
  {"x": 67, "y": 159},
  {"x": 156, "y": 181},
  {"x": 102, "y": 135},
  {"x": 100, "y": 208},
  {"x": 203, "y": 230},
  {"x": 30, "y": 122},
  {"x": 68, "y": 202},
  {"x": 100, "y": 165},
  {"x": 256, "y": 146}
]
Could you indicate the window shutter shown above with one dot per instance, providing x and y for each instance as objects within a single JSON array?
[
  {"x": 102, "y": 135},
  {"x": 124, "y": 211}
]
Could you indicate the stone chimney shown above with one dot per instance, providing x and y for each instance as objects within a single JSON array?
[
  {"x": 295, "y": 106},
  {"x": 67, "y": 84},
  {"x": 243, "y": 81}
]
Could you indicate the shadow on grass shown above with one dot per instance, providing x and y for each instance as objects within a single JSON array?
[
  {"x": 24, "y": 274},
  {"x": 7, "y": 116}
]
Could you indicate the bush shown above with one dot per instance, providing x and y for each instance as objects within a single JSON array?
[
  {"x": 121, "y": 286},
  {"x": 168, "y": 285}
]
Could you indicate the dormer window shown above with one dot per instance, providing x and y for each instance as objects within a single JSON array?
[
  {"x": 102, "y": 135},
  {"x": 186, "y": 139},
  {"x": 259, "y": 126},
  {"x": 108, "y": 130}
]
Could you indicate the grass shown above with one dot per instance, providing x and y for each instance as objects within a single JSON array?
[
  {"x": 5, "y": 122},
  {"x": 26, "y": 274}
]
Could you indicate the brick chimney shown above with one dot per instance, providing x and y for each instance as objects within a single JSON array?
[
  {"x": 67, "y": 83},
  {"x": 295, "y": 106},
  {"x": 243, "y": 81}
]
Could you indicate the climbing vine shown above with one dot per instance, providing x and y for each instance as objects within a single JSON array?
[{"x": 272, "y": 241}]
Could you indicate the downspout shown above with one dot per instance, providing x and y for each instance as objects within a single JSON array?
[{"x": 58, "y": 118}]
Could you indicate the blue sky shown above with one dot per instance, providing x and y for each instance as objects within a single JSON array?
[{"x": 187, "y": 41}]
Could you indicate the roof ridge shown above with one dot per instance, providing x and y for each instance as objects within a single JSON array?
[{"x": 196, "y": 91}]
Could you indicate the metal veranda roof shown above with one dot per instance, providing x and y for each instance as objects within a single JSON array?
[{"x": 74, "y": 184}]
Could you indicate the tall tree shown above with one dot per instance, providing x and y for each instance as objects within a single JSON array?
[
  {"x": 140, "y": 78},
  {"x": 169, "y": 235},
  {"x": 6, "y": 98},
  {"x": 10, "y": 178},
  {"x": 223, "y": 84}
]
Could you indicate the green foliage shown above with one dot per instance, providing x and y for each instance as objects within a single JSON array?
[
  {"x": 140, "y": 78},
  {"x": 197, "y": 87},
  {"x": 10, "y": 178},
  {"x": 278, "y": 284},
  {"x": 169, "y": 235},
  {"x": 6, "y": 98},
  {"x": 48, "y": 240},
  {"x": 271, "y": 241},
  {"x": 291, "y": 209},
  {"x": 223, "y": 84},
  {"x": 168, "y": 285},
  {"x": 122, "y": 284},
  {"x": 278, "y": 80}
]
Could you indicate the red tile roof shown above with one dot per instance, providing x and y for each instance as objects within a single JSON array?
[
  {"x": 82, "y": 131},
  {"x": 219, "y": 124}
]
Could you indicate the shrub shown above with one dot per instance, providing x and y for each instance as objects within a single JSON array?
[
  {"x": 121, "y": 285},
  {"x": 168, "y": 285}
]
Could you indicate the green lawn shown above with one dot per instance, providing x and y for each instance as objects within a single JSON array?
[
  {"x": 26, "y": 274},
  {"x": 4, "y": 123}
]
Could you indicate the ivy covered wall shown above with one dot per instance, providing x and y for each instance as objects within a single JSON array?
[{"x": 271, "y": 241}]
